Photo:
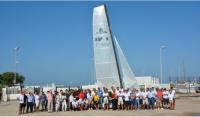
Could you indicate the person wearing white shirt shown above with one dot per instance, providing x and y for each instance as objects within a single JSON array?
[
  {"x": 174, "y": 96},
  {"x": 137, "y": 100},
  {"x": 58, "y": 98},
  {"x": 64, "y": 103},
  {"x": 127, "y": 100},
  {"x": 144, "y": 99},
  {"x": 151, "y": 96},
  {"x": 22, "y": 102},
  {"x": 105, "y": 99},
  {"x": 120, "y": 100},
  {"x": 171, "y": 98},
  {"x": 89, "y": 98},
  {"x": 75, "y": 104},
  {"x": 37, "y": 101},
  {"x": 71, "y": 98},
  {"x": 165, "y": 98}
]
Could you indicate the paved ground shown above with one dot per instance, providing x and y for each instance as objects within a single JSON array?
[{"x": 184, "y": 106}]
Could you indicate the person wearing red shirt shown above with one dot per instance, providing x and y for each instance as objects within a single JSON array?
[
  {"x": 81, "y": 98},
  {"x": 81, "y": 95},
  {"x": 159, "y": 98}
]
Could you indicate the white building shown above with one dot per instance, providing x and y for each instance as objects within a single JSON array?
[{"x": 148, "y": 81}]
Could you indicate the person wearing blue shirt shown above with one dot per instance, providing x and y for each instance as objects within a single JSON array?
[
  {"x": 100, "y": 94},
  {"x": 30, "y": 102}
]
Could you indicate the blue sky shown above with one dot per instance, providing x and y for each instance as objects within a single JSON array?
[{"x": 55, "y": 38}]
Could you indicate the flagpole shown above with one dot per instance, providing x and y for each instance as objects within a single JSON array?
[{"x": 15, "y": 63}]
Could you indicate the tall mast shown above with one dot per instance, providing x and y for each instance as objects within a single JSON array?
[{"x": 114, "y": 48}]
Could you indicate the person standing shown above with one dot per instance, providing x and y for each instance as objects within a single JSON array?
[
  {"x": 22, "y": 102},
  {"x": 127, "y": 100},
  {"x": 37, "y": 101},
  {"x": 50, "y": 101},
  {"x": 114, "y": 99},
  {"x": 54, "y": 100},
  {"x": 174, "y": 96},
  {"x": 142, "y": 95},
  {"x": 58, "y": 98},
  {"x": 30, "y": 102},
  {"x": 137, "y": 100},
  {"x": 132, "y": 99},
  {"x": 165, "y": 98},
  {"x": 105, "y": 99},
  {"x": 159, "y": 98},
  {"x": 71, "y": 99},
  {"x": 120, "y": 100},
  {"x": 151, "y": 96},
  {"x": 171, "y": 99},
  {"x": 43, "y": 100},
  {"x": 64, "y": 103},
  {"x": 100, "y": 94}
]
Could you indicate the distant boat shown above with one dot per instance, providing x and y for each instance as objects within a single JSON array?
[{"x": 186, "y": 87}]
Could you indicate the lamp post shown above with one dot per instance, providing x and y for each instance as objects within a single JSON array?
[
  {"x": 161, "y": 69},
  {"x": 15, "y": 62}
]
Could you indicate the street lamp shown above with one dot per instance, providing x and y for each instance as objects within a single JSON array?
[
  {"x": 161, "y": 69},
  {"x": 15, "y": 62}
]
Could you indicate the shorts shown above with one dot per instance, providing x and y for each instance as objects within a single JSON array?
[
  {"x": 120, "y": 102},
  {"x": 141, "y": 101},
  {"x": 96, "y": 102},
  {"x": 105, "y": 100},
  {"x": 132, "y": 102},
  {"x": 126, "y": 103},
  {"x": 171, "y": 101},
  {"x": 158, "y": 101},
  {"x": 151, "y": 101},
  {"x": 81, "y": 102},
  {"x": 37, "y": 104},
  {"x": 165, "y": 101},
  {"x": 145, "y": 101}
]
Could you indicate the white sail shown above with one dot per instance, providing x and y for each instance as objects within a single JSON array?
[
  {"x": 106, "y": 66},
  {"x": 128, "y": 78}
]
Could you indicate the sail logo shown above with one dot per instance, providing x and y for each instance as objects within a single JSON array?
[
  {"x": 98, "y": 38},
  {"x": 101, "y": 31}
]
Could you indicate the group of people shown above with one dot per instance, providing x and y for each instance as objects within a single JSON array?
[{"x": 95, "y": 99}]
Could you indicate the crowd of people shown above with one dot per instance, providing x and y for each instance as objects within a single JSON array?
[{"x": 95, "y": 99}]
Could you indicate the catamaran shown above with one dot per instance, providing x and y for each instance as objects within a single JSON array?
[{"x": 111, "y": 66}]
